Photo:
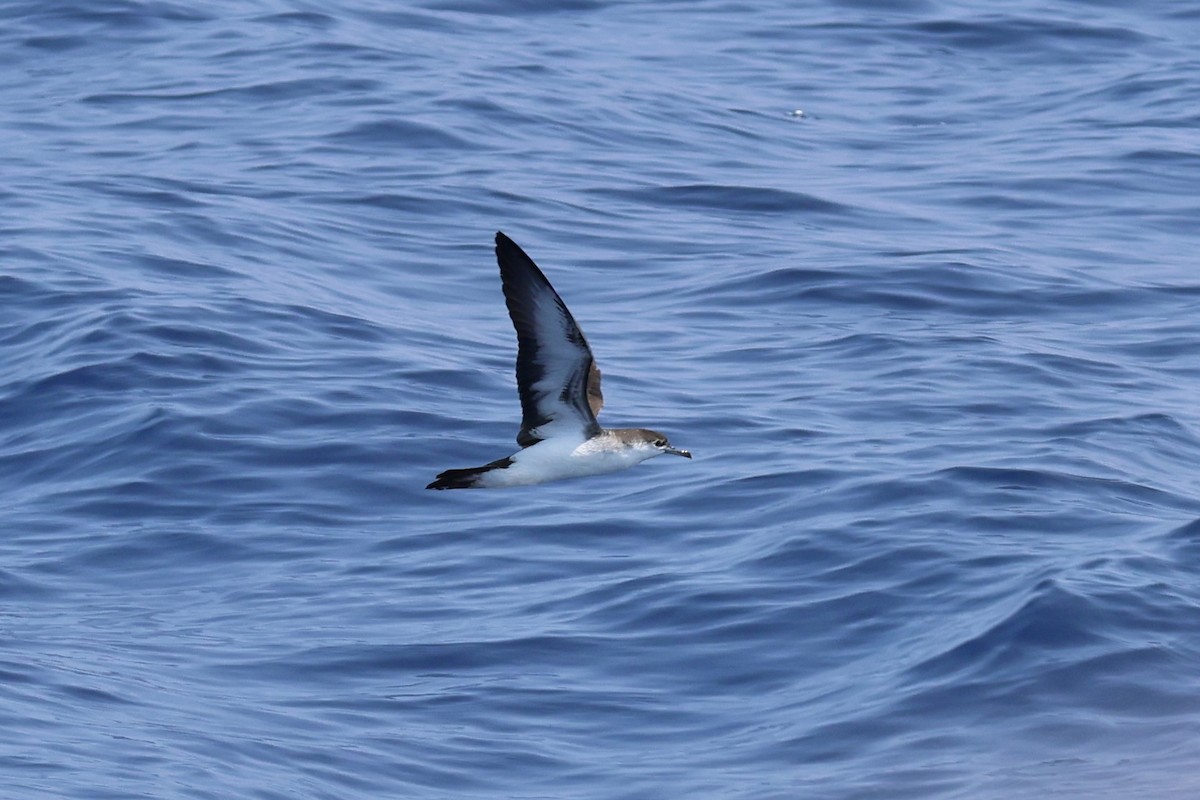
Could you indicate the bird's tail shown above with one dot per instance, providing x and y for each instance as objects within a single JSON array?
[{"x": 469, "y": 478}]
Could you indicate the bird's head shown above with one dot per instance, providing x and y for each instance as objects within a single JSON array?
[{"x": 657, "y": 442}]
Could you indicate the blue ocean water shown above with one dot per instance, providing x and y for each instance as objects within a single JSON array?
[{"x": 915, "y": 281}]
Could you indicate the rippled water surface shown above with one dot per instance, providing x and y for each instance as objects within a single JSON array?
[{"x": 915, "y": 281}]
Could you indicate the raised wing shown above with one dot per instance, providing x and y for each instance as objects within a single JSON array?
[{"x": 556, "y": 374}]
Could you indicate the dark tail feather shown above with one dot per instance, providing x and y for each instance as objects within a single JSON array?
[{"x": 466, "y": 478}]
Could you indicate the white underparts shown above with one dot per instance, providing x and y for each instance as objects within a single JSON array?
[{"x": 567, "y": 457}]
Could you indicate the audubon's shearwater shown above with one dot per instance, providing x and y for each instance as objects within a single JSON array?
[{"x": 559, "y": 386}]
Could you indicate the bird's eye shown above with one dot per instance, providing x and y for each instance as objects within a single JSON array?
[{"x": 660, "y": 442}]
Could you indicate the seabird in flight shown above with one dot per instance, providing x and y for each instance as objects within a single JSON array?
[{"x": 559, "y": 386}]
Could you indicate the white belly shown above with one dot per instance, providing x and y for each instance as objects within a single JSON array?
[{"x": 557, "y": 458}]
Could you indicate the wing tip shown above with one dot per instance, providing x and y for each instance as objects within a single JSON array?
[
  {"x": 515, "y": 263},
  {"x": 505, "y": 246}
]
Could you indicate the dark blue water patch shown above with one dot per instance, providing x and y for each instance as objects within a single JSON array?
[
  {"x": 123, "y": 15},
  {"x": 285, "y": 91},
  {"x": 1147, "y": 89},
  {"x": 1009, "y": 480},
  {"x": 300, "y": 19},
  {"x": 364, "y": 662},
  {"x": 144, "y": 196},
  {"x": 508, "y": 8},
  {"x": 1160, "y": 347},
  {"x": 1035, "y": 39},
  {"x": 883, "y": 6},
  {"x": 391, "y": 202},
  {"x": 477, "y": 109},
  {"x": 1174, "y": 170},
  {"x": 122, "y": 350},
  {"x": 1182, "y": 544},
  {"x": 387, "y": 134},
  {"x": 18, "y": 587},
  {"x": 735, "y": 199},
  {"x": 1163, "y": 428},
  {"x": 56, "y": 44},
  {"x": 962, "y": 288},
  {"x": 160, "y": 553},
  {"x": 1115, "y": 638},
  {"x": 1052, "y": 618}
]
